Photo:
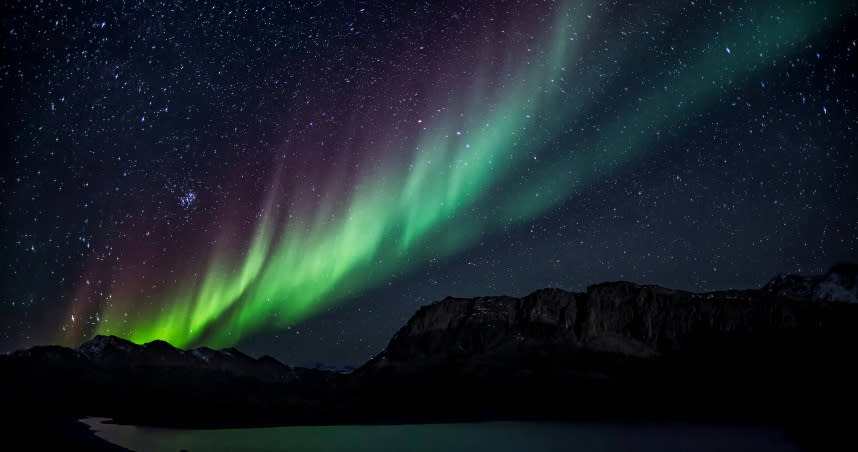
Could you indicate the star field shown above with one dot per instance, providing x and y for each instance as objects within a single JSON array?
[{"x": 296, "y": 178}]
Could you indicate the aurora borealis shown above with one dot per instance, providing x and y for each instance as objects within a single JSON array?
[{"x": 289, "y": 162}]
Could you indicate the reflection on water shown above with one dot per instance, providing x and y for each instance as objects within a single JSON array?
[{"x": 470, "y": 437}]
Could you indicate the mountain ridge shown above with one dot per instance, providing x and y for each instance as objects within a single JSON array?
[{"x": 618, "y": 350}]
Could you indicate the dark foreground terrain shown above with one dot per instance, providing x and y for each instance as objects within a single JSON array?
[{"x": 781, "y": 355}]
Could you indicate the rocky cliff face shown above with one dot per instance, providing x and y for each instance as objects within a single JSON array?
[
  {"x": 618, "y": 350},
  {"x": 621, "y": 318}
]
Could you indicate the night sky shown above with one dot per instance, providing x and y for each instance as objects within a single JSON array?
[{"x": 297, "y": 178}]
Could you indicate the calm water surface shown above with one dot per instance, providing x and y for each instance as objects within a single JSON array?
[{"x": 470, "y": 437}]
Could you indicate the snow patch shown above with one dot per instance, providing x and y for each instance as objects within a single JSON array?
[{"x": 200, "y": 355}]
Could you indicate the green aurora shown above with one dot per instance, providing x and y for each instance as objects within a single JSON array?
[{"x": 506, "y": 154}]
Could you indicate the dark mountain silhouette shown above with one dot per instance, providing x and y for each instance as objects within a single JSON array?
[
  {"x": 839, "y": 284},
  {"x": 781, "y": 354},
  {"x": 110, "y": 353}
]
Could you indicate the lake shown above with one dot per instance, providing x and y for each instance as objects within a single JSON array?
[{"x": 470, "y": 437}]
